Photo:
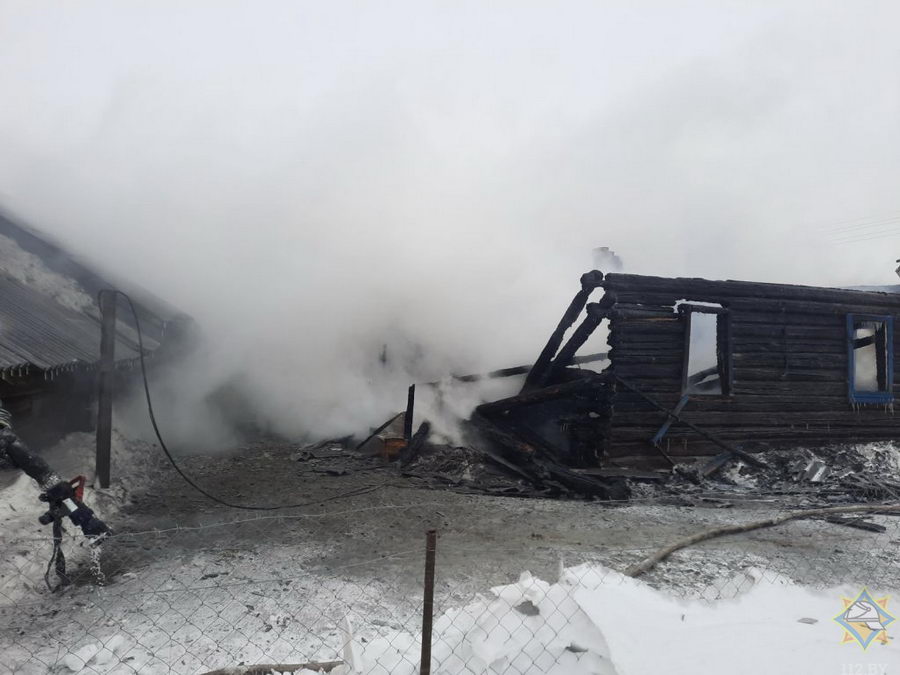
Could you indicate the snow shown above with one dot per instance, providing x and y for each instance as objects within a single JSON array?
[
  {"x": 207, "y": 597},
  {"x": 596, "y": 621},
  {"x": 30, "y": 270}
]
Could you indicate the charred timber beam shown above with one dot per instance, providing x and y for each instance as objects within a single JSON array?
[
  {"x": 698, "y": 377},
  {"x": 596, "y": 312},
  {"x": 711, "y": 291},
  {"x": 737, "y": 452},
  {"x": 802, "y": 307},
  {"x": 538, "y": 375},
  {"x": 588, "y": 384},
  {"x": 414, "y": 447},
  {"x": 519, "y": 370}
]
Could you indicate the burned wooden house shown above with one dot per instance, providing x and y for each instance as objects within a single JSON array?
[{"x": 700, "y": 368}]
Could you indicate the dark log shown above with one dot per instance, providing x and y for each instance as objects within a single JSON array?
[
  {"x": 671, "y": 371},
  {"x": 701, "y": 375},
  {"x": 796, "y": 359},
  {"x": 741, "y": 387},
  {"x": 649, "y": 313},
  {"x": 639, "y": 298},
  {"x": 670, "y": 324},
  {"x": 751, "y": 328},
  {"x": 840, "y": 417},
  {"x": 539, "y": 372},
  {"x": 593, "y": 385},
  {"x": 637, "y": 312},
  {"x": 516, "y": 370},
  {"x": 705, "y": 290},
  {"x": 807, "y": 307},
  {"x": 791, "y": 375},
  {"x": 752, "y": 435},
  {"x": 790, "y": 345},
  {"x": 626, "y": 402},
  {"x": 595, "y": 314},
  {"x": 834, "y": 322},
  {"x": 620, "y": 358},
  {"x": 414, "y": 447},
  {"x": 408, "y": 415}
]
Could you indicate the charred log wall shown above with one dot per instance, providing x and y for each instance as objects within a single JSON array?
[{"x": 788, "y": 365}]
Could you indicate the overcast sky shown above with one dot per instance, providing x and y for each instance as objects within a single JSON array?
[{"x": 300, "y": 174}]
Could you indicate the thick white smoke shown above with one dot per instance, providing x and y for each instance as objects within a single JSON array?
[{"x": 316, "y": 181}]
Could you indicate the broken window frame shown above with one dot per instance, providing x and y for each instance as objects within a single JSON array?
[
  {"x": 885, "y": 395},
  {"x": 723, "y": 347}
]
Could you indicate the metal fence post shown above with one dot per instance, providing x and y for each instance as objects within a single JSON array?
[{"x": 428, "y": 604}]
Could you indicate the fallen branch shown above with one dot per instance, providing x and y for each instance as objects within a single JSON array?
[{"x": 650, "y": 562}]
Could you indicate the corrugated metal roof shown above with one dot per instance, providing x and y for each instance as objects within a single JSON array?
[{"x": 35, "y": 330}]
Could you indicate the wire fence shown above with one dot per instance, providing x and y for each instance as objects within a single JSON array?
[{"x": 252, "y": 595}]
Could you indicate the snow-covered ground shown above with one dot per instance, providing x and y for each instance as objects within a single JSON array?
[
  {"x": 590, "y": 621},
  {"x": 188, "y": 587}
]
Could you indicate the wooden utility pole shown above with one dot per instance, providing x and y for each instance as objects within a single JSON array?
[{"x": 107, "y": 300}]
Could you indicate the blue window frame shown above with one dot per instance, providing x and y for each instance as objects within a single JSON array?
[{"x": 870, "y": 358}]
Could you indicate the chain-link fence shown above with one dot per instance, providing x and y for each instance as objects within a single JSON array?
[{"x": 257, "y": 593}]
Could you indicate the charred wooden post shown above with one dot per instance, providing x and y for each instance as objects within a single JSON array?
[
  {"x": 538, "y": 375},
  {"x": 595, "y": 314},
  {"x": 414, "y": 447},
  {"x": 408, "y": 417},
  {"x": 106, "y": 380}
]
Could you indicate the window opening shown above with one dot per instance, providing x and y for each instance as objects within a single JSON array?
[
  {"x": 871, "y": 358},
  {"x": 707, "y": 359}
]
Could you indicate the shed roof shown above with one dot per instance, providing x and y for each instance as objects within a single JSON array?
[
  {"x": 49, "y": 318},
  {"x": 35, "y": 330}
]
